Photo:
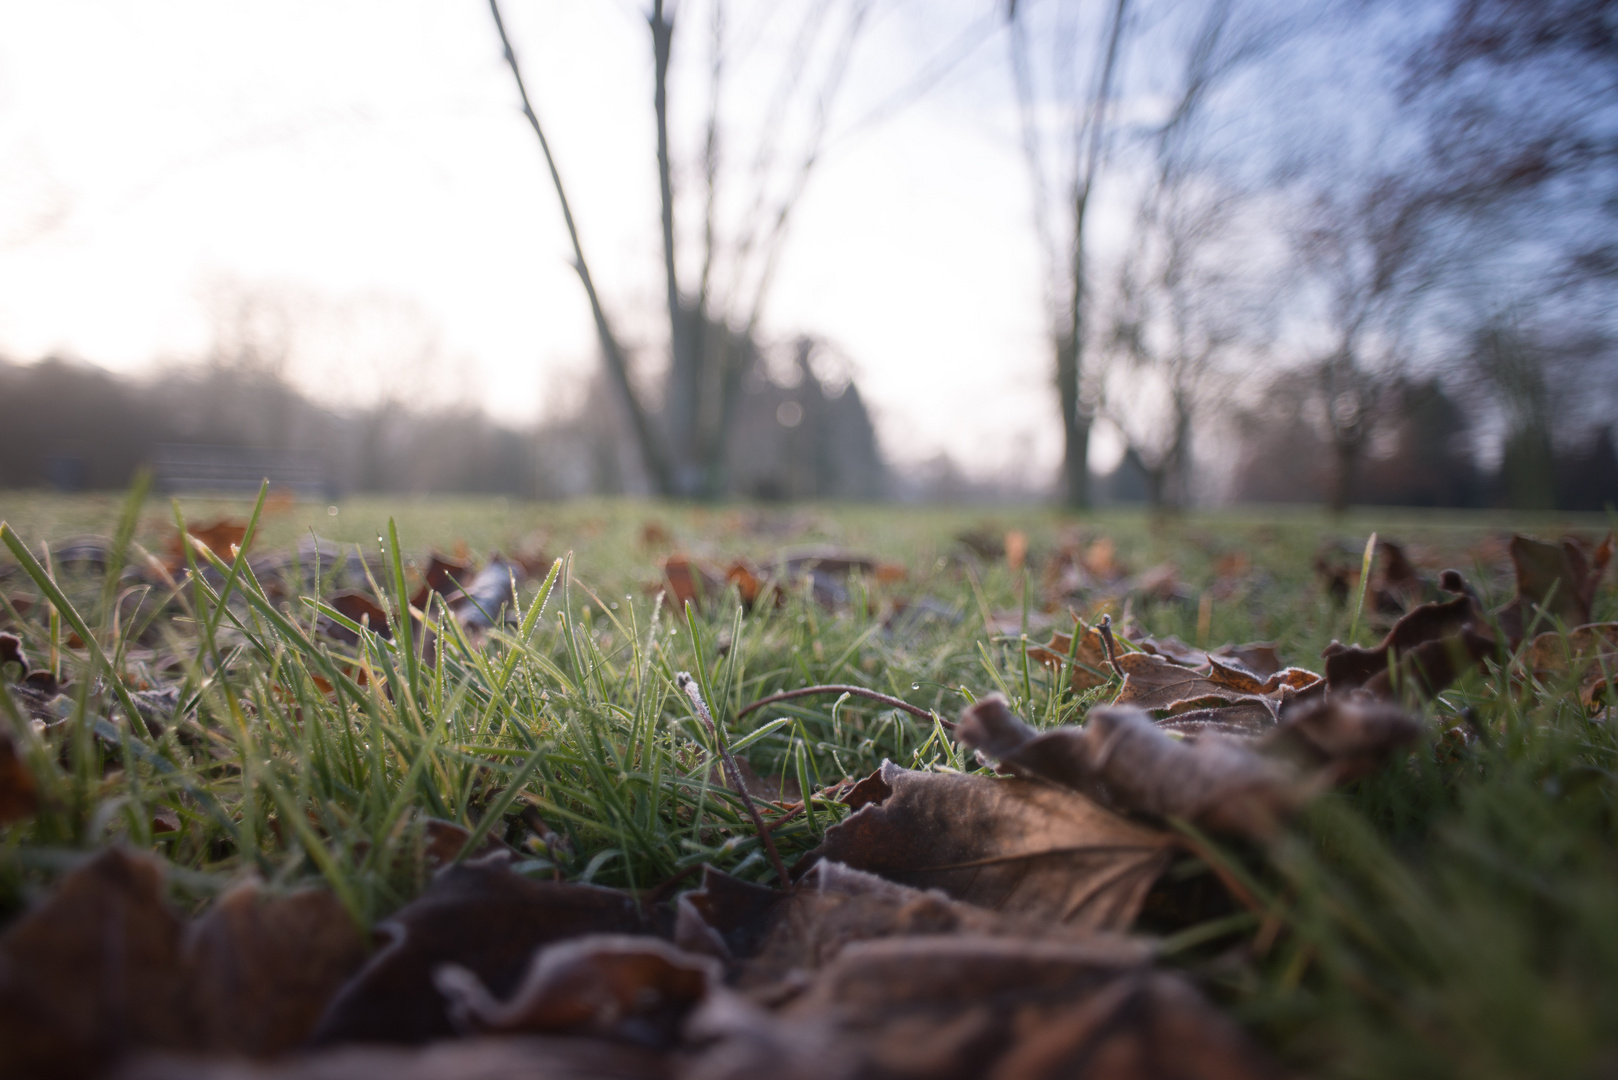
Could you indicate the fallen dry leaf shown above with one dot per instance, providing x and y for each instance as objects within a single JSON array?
[
  {"x": 1157, "y": 684},
  {"x": 985, "y": 541},
  {"x": 260, "y": 969},
  {"x": 445, "y": 575},
  {"x": 1016, "y": 549},
  {"x": 221, "y": 537},
  {"x": 767, "y": 935},
  {"x": 1586, "y": 654},
  {"x": 1228, "y": 777},
  {"x": 1343, "y": 739},
  {"x": 1125, "y": 761},
  {"x": 92, "y": 972},
  {"x": 1016, "y": 846},
  {"x": 480, "y": 916},
  {"x": 358, "y": 606},
  {"x": 1090, "y": 667},
  {"x": 19, "y": 793},
  {"x": 631, "y": 989},
  {"x": 490, "y": 595},
  {"x": 493, "y": 1058},
  {"x": 962, "y": 1005},
  {"x": 1423, "y": 653},
  {"x": 689, "y": 580},
  {"x": 1259, "y": 657},
  {"x": 1556, "y": 579}
]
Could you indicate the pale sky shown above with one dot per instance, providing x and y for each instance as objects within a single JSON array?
[{"x": 359, "y": 151}]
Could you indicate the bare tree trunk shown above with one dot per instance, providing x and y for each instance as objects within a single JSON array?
[
  {"x": 653, "y": 455},
  {"x": 1075, "y": 425},
  {"x": 686, "y": 329},
  {"x": 1077, "y": 414},
  {"x": 1345, "y": 471}
]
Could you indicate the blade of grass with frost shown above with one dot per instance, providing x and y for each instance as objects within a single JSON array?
[
  {"x": 1365, "y": 581},
  {"x": 61, "y": 604},
  {"x": 403, "y": 626}
]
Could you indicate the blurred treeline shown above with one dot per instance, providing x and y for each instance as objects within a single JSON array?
[{"x": 73, "y": 426}]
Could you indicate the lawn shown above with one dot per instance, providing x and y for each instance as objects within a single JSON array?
[{"x": 1451, "y": 912}]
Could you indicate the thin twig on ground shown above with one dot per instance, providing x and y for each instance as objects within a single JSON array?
[
  {"x": 843, "y": 688},
  {"x": 686, "y": 683}
]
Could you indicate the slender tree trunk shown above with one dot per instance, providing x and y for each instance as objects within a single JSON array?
[
  {"x": 682, "y": 404},
  {"x": 653, "y": 456},
  {"x": 1345, "y": 473},
  {"x": 1075, "y": 426},
  {"x": 1077, "y": 417}
]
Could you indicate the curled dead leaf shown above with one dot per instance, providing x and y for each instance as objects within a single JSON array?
[
  {"x": 19, "y": 792},
  {"x": 260, "y": 969},
  {"x": 481, "y": 916},
  {"x": 1015, "y": 846},
  {"x": 1127, "y": 762},
  {"x": 964, "y": 1005},
  {"x": 506, "y": 1057},
  {"x": 1586, "y": 654},
  {"x": 1230, "y": 781},
  {"x": 1553, "y": 580},
  {"x": 1424, "y": 652},
  {"x": 632, "y": 989},
  {"x": 1089, "y": 665}
]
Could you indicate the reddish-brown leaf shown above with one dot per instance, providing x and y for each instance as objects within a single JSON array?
[
  {"x": 19, "y": 793},
  {"x": 1090, "y": 666},
  {"x": 259, "y": 969},
  {"x": 504, "y": 1057},
  {"x": 963, "y": 1006},
  {"x": 626, "y": 989},
  {"x": 1011, "y": 845},
  {"x": 1423, "y": 653},
  {"x": 480, "y": 916},
  {"x": 1558, "y": 580},
  {"x": 1124, "y": 760},
  {"x": 1154, "y": 683},
  {"x": 360, "y": 607},
  {"x": 91, "y": 972}
]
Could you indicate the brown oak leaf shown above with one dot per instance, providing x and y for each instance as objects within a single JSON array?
[{"x": 1154, "y": 683}]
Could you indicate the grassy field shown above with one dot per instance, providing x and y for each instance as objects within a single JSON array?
[{"x": 1453, "y": 915}]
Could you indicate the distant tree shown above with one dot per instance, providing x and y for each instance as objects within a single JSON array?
[
  {"x": 1179, "y": 297},
  {"x": 1079, "y": 80}
]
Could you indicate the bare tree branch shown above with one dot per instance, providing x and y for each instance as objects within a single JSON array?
[{"x": 652, "y": 454}]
